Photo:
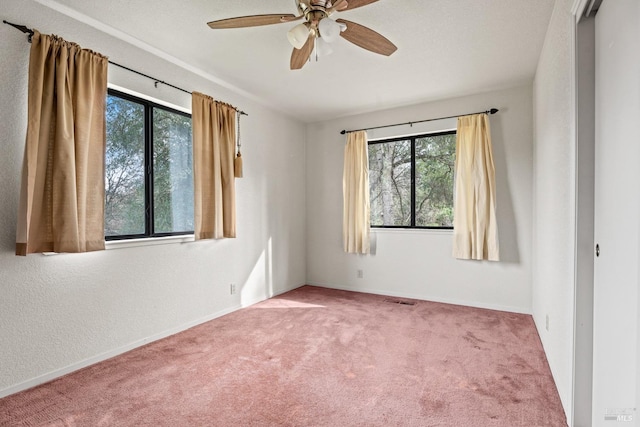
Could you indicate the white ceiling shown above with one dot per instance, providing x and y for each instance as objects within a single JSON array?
[{"x": 446, "y": 48}]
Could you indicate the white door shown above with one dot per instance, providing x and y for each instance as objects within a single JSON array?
[{"x": 617, "y": 214}]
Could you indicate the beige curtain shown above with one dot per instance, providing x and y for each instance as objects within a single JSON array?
[
  {"x": 213, "y": 167},
  {"x": 355, "y": 191},
  {"x": 475, "y": 230},
  {"x": 62, "y": 196}
]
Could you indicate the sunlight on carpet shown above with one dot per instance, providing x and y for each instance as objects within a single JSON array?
[
  {"x": 323, "y": 358},
  {"x": 286, "y": 303}
]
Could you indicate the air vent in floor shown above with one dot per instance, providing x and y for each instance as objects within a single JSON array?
[{"x": 399, "y": 301}]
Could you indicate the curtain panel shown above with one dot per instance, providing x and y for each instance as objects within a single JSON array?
[
  {"x": 475, "y": 230},
  {"x": 213, "y": 167},
  {"x": 62, "y": 195},
  {"x": 355, "y": 192}
]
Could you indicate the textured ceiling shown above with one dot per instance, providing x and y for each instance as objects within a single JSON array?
[{"x": 446, "y": 48}]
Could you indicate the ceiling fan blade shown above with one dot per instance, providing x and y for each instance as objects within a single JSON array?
[
  {"x": 366, "y": 38},
  {"x": 357, "y": 3},
  {"x": 252, "y": 21},
  {"x": 299, "y": 57},
  {"x": 340, "y": 5}
]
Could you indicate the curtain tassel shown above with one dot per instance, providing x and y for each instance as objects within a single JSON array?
[
  {"x": 237, "y": 165},
  {"x": 237, "y": 162}
]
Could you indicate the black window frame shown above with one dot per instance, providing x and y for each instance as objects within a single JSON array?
[
  {"x": 413, "y": 139},
  {"x": 149, "y": 107}
]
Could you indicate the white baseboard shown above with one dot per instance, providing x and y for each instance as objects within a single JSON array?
[
  {"x": 49, "y": 376},
  {"x": 274, "y": 294},
  {"x": 392, "y": 293},
  {"x": 120, "y": 350}
]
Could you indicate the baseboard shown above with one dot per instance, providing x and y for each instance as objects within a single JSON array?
[
  {"x": 109, "y": 354},
  {"x": 115, "y": 352},
  {"x": 392, "y": 293},
  {"x": 128, "y": 347},
  {"x": 274, "y": 294}
]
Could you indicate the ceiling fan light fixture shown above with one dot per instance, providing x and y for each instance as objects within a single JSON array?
[
  {"x": 317, "y": 26},
  {"x": 298, "y": 35},
  {"x": 323, "y": 48},
  {"x": 329, "y": 29}
]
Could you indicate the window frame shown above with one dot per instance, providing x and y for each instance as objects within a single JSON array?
[
  {"x": 412, "y": 139},
  {"x": 149, "y": 218}
]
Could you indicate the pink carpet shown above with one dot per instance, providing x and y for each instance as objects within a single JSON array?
[{"x": 315, "y": 357}]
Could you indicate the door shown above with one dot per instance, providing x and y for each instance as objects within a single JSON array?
[{"x": 617, "y": 214}]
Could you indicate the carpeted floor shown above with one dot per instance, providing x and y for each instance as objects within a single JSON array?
[{"x": 315, "y": 357}]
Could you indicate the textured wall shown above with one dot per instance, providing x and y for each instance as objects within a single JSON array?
[
  {"x": 60, "y": 312},
  {"x": 554, "y": 199},
  {"x": 418, "y": 263}
]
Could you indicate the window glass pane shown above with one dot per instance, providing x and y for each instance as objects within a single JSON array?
[
  {"x": 172, "y": 172},
  {"x": 390, "y": 183},
  {"x": 435, "y": 159},
  {"x": 124, "y": 168}
]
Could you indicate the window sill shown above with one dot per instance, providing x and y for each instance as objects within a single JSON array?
[
  {"x": 148, "y": 241},
  {"x": 412, "y": 230}
]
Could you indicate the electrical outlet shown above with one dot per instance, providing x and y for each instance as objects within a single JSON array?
[
  {"x": 232, "y": 288},
  {"x": 547, "y": 323},
  {"x": 360, "y": 274}
]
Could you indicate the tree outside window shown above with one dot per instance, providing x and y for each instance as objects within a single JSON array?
[
  {"x": 411, "y": 181},
  {"x": 148, "y": 169}
]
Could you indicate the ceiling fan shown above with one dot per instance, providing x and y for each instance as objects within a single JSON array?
[{"x": 318, "y": 29}]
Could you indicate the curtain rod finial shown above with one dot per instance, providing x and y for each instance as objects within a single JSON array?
[
  {"x": 493, "y": 110},
  {"x": 342, "y": 132},
  {"x": 22, "y": 28}
]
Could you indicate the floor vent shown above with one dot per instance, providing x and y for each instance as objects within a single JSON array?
[{"x": 399, "y": 301}]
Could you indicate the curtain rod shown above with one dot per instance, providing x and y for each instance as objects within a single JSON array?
[
  {"x": 29, "y": 31},
  {"x": 491, "y": 111}
]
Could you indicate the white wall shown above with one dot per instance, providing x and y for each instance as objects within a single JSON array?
[
  {"x": 58, "y": 313},
  {"x": 418, "y": 263},
  {"x": 554, "y": 199}
]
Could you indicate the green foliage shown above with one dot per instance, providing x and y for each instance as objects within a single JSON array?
[
  {"x": 124, "y": 168},
  {"x": 390, "y": 181},
  {"x": 125, "y": 171},
  {"x": 435, "y": 160},
  {"x": 172, "y": 172}
]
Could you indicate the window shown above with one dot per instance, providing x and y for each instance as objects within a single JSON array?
[
  {"x": 148, "y": 169},
  {"x": 411, "y": 181}
]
